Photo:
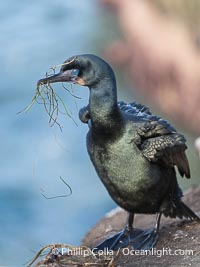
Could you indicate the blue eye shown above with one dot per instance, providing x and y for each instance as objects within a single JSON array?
[{"x": 75, "y": 72}]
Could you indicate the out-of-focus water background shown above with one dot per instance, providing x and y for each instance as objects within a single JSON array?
[{"x": 34, "y": 36}]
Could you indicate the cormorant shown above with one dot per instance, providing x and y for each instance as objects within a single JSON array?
[{"x": 134, "y": 152}]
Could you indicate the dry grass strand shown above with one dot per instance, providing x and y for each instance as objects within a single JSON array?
[{"x": 52, "y": 102}]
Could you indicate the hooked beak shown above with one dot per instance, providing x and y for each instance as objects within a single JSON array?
[{"x": 65, "y": 76}]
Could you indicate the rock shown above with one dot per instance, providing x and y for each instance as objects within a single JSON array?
[{"x": 178, "y": 243}]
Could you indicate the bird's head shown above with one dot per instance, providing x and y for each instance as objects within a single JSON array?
[{"x": 87, "y": 70}]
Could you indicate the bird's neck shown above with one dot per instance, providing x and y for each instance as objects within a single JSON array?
[{"x": 104, "y": 111}]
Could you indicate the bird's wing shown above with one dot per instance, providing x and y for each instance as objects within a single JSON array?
[
  {"x": 158, "y": 141},
  {"x": 134, "y": 108}
]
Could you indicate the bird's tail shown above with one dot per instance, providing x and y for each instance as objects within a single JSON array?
[{"x": 181, "y": 210}]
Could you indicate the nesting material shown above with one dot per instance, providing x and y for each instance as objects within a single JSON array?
[
  {"x": 52, "y": 102},
  {"x": 67, "y": 255}
]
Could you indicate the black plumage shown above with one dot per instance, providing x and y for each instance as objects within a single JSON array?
[{"x": 133, "y": 151}]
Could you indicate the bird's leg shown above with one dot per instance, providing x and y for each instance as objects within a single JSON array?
[
  {"x": 148, "y": 238},
  {"x": 84, "y": 114},
  {"x": 157, "y": 224},
  {"x": 130, "y": 221}
]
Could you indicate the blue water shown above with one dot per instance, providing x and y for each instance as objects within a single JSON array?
[{"x": 34, "y": 36}]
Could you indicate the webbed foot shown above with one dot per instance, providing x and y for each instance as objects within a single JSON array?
[
  {"x": 119, "y": 240},
  {"x": 138, "y": 239},
  {"x": 146, "y": 240}
]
